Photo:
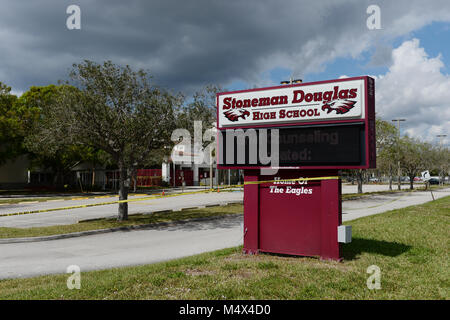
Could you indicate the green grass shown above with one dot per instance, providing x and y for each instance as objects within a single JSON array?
[
  {"x": 134, "y": 220},
  {"x": 410, "y": 246},
  {"x": 42, "y": 199},
  {"x": 15, "y": 201}
]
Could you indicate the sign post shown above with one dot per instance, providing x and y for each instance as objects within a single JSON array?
[
  {"x": 292, "y": 141},
  {"x": 426, "y": 178}
]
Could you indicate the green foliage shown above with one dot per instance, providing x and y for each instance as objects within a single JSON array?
[
  {"x": 115, "y": 110},
  {"x": 201, "y": 108},
  {"x": 12, "y": 121},
  {"x": 387, "y": 153},
  {"x": 414, "y": 155},
  {"x": 51, "y": 153},
  {"x": 386, "y": 135}
]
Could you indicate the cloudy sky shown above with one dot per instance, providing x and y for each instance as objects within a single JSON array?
[{"x": 242, "y": 44}]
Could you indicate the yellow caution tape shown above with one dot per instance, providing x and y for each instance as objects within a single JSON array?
[
  {"x": 161, "y": 196},
  {"x": 103, "y": 203}
]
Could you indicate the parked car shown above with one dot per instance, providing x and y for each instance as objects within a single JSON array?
[
  {"x": 374, "y": 179},
  {"x": 434, "y": 181}
]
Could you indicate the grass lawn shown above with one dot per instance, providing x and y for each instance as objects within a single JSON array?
[
  {"x": 135, "y": 219},
  {"x": 409, "y": 245},
  {"x": 14, "y": 201}
]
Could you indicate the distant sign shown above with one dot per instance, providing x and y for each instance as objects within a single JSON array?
[{"x": 426, "y": 175}]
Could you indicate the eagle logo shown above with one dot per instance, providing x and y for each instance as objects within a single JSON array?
[
  {"x": 341, "y": 106},
  {"x": 234, "y": 115}
]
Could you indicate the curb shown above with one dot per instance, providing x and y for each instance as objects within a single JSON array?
[{"x": 110, "y": 230}]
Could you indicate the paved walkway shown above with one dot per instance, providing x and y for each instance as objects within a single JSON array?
[{"x": 369, "y": 205}]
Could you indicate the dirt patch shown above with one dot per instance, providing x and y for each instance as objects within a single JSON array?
[
  {"x": 197, "y": 272},
  {"x": 245, "y": 274}
]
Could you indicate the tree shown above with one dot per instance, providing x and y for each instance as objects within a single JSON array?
[
  {"x": 359, "y": 179},
  {"x": 414, "y": 157},
  {"x": 387, "y": 153},
  {"x": 12, "y": 124},
  {"x": 202, "y": 108},
  {"x": 44, "y": 153},
  {"x": 440, "y": 161},
  {"x": 116, "y": 110}
]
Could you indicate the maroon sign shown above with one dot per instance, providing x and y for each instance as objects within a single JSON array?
[
  {"x": 309, "y": 130},
  {"x": 308, "y": 110}
]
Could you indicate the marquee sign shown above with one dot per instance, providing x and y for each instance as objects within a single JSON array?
[
  {"x": 332, "y": 100},
  {"x": 327, "y": 124},
  {"x": 308, "y": 132}
]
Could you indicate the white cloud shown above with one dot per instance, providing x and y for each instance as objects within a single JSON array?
[{"x": 414, "y": 88}]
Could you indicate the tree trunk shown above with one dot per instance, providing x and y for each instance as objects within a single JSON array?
[
  {"x": 390, "y": 177},
  {"x": 124, "y": 183},
  {"x": 134, "y": 174},
  {"x": 360, "y": 180}
]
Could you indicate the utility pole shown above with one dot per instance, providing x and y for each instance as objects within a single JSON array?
[
  {"x": 441, "y": 173},
  {"x": 210, "y": 169},
  {"x": 398, "y": 163}
]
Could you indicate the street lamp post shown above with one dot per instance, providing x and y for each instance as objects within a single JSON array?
[
  {"x": 441, "y": 173},
  {"x": 210, "y": 169},
  {"x": 398, "y": 163}
]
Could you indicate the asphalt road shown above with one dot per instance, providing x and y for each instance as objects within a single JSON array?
[
  {"x": 74, "y": 215},
  {"x": 119, "y": 248},
  {"x": 171, "y": 203},
  {"x": 148, "y": 246}
]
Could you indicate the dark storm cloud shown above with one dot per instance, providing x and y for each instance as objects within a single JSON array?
[{"x": 186, "y": 44}]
